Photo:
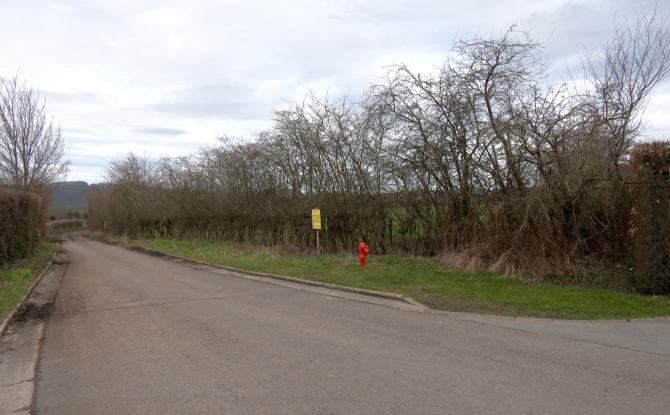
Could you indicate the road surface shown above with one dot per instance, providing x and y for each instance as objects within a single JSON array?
[{"x": 135, "y": 334}]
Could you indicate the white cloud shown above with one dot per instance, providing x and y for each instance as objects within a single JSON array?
[{"x": 166, "y": 77}]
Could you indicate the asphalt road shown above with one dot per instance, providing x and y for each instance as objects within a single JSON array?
[{"x": 134, "y": 334}]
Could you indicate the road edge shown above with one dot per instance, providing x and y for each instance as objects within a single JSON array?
[
  {"x": 380, "y": 294},
  {"x": 10, "y": 316},
  {"x": 344, "y": 288}
]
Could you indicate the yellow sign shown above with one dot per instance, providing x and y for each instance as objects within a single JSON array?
[{"x": 316, "y": 219}]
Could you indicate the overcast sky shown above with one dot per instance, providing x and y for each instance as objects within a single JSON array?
[{"x": 165, "y": 78}]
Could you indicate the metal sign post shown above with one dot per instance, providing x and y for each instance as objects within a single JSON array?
[{"x": 316, "y": 225}]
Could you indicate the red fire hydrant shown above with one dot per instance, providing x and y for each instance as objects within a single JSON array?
[{"x": 363, "y": 251}]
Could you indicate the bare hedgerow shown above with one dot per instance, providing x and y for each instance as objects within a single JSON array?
[{"x": 482, "y": 158}]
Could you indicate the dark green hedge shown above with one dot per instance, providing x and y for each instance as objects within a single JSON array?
[
  {"x": 651, "y": 217},
  {"x": 21, "y": 224}
]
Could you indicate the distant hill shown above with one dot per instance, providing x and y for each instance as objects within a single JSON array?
[{"x": 68, "y": 197}]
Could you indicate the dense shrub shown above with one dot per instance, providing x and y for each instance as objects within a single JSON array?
[
  {"x": 21, "y": 223},
  {"x": 650, "y": 222}
]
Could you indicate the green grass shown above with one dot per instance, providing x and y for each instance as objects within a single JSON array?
[
  {"x": 425, "y": 280},
  {"x": 17, "y": 277}
]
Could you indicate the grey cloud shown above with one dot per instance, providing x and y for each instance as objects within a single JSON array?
[
  {"x": 160, "y": 131},
  {"x": 84, "y": 97},
  {"x": 228, "y": 110},
  {"x": 230, "y": 101},
  {"x": 576, "y": 29},
  {"x": 98, "y": 161},
  {"x": 127, "y": 144},
  {"x": 79, "y": 132}
]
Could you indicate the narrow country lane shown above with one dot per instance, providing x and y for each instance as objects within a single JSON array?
[{"x": 135, "y": 334}]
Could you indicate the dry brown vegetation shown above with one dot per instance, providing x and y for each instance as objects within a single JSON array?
[
  {"x": 65, "y": 225},
  {"x": 484, "y": 159}
]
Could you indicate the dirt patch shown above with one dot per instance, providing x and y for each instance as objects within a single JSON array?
[{"x": 32, "y": 311}]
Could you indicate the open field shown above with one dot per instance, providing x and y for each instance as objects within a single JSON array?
[
  {"x": 15, "y": 280},
  {"x": 423, "y": 279}
]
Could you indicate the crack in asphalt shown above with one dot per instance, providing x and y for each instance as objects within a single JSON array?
[
  {"x": 17, "y": 383},
  {"x": 306, "y": 288},
  {"x": 556, "y": 335},
  {"x": 162, "y": 303}
]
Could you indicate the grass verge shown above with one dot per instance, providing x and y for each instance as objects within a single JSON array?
[
  {"x": 17, "y": 277},
  {"x": 423, "y": 279}
]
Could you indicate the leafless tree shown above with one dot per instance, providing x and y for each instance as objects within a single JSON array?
[
  {"x": 31, "y": 146},
  {"x": 483, "y": 155},
  {"x": 622, "y": 77}
]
